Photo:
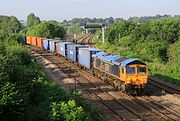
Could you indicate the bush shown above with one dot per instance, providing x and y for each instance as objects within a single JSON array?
[
  {"x": 151, "y": 51},
  {"x": 12, "y": 103},
  {"x": 63, "y": 111}
]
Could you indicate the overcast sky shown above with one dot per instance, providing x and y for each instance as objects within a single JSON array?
[{"x": 68, "y": 9}]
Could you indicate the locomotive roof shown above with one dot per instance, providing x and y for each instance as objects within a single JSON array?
[
  {"x": 131, "y": 61},
  {"x": 117, "y": 60}
]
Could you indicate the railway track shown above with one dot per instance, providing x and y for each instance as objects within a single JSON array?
[
  {"x": 68, "y": 37},
  {"x": 90, "y": 42},
  {"x": 87, "y": 40},
  {"x": 82, "y": 40},
  {"x": 118, "y": 104},
  {"x": 166, "y": 87}
]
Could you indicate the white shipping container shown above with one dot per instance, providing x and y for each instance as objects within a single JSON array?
[{"x": 86, "y": 56}]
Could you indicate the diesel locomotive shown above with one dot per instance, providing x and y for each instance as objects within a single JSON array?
[{"x": 128, "y": 75}]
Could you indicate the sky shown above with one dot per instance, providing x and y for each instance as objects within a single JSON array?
[{"x": 68, "y": 9}]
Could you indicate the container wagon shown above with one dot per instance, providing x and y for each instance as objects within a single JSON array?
[
  {"x": 73, "y": 51},
  {"x": 86, "y": 56},
  {"x": 52, "y": 45},
  {"x": 40, "y": 42},
  {"x": 57, "y": 48},
  {"x": 63, "y": 48},
  {"x": 46, "y": 44},
  {"x": 29, "y": 40},
  {"x": 24, "y": 39},
  {"x": 34, "y": 41}
]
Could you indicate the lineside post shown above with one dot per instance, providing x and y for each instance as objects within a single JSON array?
[
  {"x": 86, "y": 31},
  {"x": 103, "y": 35}
]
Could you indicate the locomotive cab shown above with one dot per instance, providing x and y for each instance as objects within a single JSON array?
[{"x": 136, "y": 75}]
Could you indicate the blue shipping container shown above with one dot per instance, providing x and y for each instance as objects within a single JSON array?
[
  {"x": 86, "y": 56},
  {"x": 46, "y": 44},
  {"x": 24, "y": 39},
  {"x": 73, "y": 51},
  {"x": 63, "y": 48},
  {"x": 52, "y": 45}
]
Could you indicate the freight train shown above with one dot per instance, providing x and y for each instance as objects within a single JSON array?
[{"x": 126, "y": 74}]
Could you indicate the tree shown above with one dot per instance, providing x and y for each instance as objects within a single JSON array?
[
  {"x": 32, "y": 20},
  {"x": 120, "y": 29},
  {"x": 47, "y": 30},
  {"x": 9, "y": 26}
]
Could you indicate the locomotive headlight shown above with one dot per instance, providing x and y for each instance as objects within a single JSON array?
[{"x": 128, "y": 82}]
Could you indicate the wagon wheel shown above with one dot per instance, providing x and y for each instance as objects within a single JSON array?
[
  {"x": 119, "y": 84},
  {"x": 116, "y": 85},
  {"x": 104, "y": 77},
  {"x": 140, "y": 91},
  {"x": 93, "y": 72}
]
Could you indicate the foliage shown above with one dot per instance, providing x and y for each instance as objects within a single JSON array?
[
  {"x": 11, "y": 102},
  {"x": 165, "y": 30},
  {"x": 173, "y": 64},
  {"x": 47, "y": 30},
  {"x": 67, "y": 111},
  {"x": 92, "y": 112},
  {"x": 120, "y": 29},
  {"x": 74, "y": 29},
  {"x": 8, "y": 26},
  {"x": 32, "y": 20}
]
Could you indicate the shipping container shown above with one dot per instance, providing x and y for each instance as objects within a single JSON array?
[
  {"x": 24, "y": 39},
  {"x": 34, "y": 41},
  {"x": 29, "y": 40},
  {"x": 73, "y": 51},
  {"x": 52, "y": 45},
  {"x": 86, "y": 56},
  {"x": 46, "y": 44},
  {"x": 63, "y": 48},
  {"x": 40, "y": 42},
  {"x": 57, "y": 47}
]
